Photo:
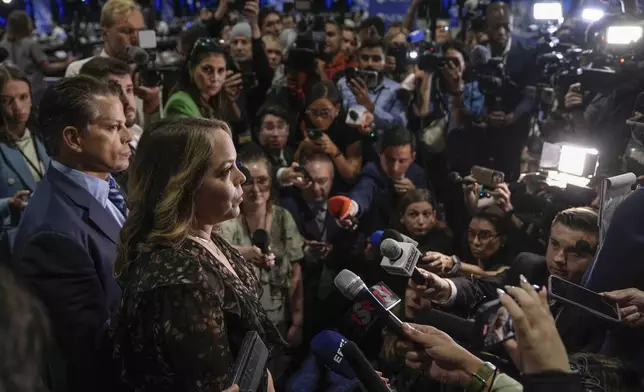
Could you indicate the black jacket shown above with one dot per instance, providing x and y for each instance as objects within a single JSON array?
[{"x": 571, "y": 322}]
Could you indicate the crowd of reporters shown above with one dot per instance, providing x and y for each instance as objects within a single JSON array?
[{"x": 110, "y": 183}]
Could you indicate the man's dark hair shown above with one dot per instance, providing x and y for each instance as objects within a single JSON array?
[
  {"x": 377, "y": 23},
  {"x": 70, "y": 102},
  {"x": 458, "y": 46},
  {"x": 264, "y": 12},
  {"x": 579, "y": 218},
  {"x": 371, "y": 43},
  {"x": 102, "y": 67},
  {"x": 396, "y": 137},
  {"x": 273, "y": 109}
]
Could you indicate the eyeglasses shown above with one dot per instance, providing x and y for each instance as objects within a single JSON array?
[
  {"x": 263, "y": 182},
  {"x": 483, "y": 235}
]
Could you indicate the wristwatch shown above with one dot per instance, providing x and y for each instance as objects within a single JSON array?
[
  {"x": 478, "y": 383},
  {"x": 457, "y": 265}
]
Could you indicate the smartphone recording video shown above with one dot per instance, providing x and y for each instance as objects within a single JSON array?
[
  {"x": 487, "y": 177},
  {"x": 494, "y": 324}
]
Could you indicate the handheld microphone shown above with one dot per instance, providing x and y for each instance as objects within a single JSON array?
[
  {"x": 460, "y": 329},
  {"x": 327, "y": 348},
  {"x": 401, "y": 259},
  {"x": 456, "y": 178},
  {"x": 352, "y": 287},
  {"x": 360, "y": 319},
  {"x": 340, "y": 207},
  {"x": 335, "y": 350},
  {"x": 376, "y": 238},
  {"x": 480, "y": 55},
  {"x": 397, "y": 236},
  {"x": 262, "y": 240}
]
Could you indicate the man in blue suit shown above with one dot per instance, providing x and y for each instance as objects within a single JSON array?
[
  {"x": 66, "y": 242},
  {"x": 382, "y": 184}
]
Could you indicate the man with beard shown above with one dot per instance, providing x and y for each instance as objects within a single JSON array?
[
  {"x": 378, "y": 96},
  {"x": 335, "y": 61},
  {"x": 117, "y": 73}
]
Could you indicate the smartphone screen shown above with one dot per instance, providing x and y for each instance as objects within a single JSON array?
[
  {"x": 495, "y": 323},
  {"x": 578, "y": 296},
  {"x": 487, "y": 177}
]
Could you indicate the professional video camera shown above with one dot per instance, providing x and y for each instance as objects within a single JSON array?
[
  {"x": 308, "y": 45},
  {"x": 148, "y": 71},
  {"x": 490, "y": 74},
  {"x": 428, "y": 57}
]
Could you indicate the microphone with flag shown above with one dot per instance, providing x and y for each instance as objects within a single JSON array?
[{"x": 371, "y": 305}]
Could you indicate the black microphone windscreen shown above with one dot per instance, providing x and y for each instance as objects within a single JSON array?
[
  {"x": 363, "y": 369},
  {"x": 262, "y": 240},
  {"x": 454, "y": 177},
  {"x": 392, "y": 234},
  {"x": 460, "y": 329},
  {"x": 3, "y": 54},
  {"x": 136, "y": 55},
  {"x": 480, "y": 55}
]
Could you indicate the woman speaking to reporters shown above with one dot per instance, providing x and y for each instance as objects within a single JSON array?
[{"x": 188, "y": 296}]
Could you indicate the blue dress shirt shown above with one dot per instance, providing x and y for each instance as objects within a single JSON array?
[
  {"x": 389, "y": 112},
  {"x": 96, "y": 187},
  {"x": 474, "y": 101}
]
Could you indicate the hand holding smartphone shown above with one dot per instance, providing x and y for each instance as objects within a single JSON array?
[{"x": 583, "y": 298}]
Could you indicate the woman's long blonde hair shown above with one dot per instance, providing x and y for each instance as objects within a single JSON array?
[{"x": 170, "y": 165}]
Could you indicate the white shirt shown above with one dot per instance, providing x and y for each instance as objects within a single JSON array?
[
  {"x": 74, "y": 68},
  {"x": 137, "y": 131}
]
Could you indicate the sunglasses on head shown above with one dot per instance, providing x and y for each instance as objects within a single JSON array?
[{"x": 206, "y": 44}]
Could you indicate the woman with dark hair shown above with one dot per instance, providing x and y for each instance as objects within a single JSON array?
[
  {"x": 325, "y": 132},
  {"x": 416, "y": 218},
  {"x": 189, "y": 297},
  {"x": 278, "y": 268},
  {"x": 26, "y": 54},
  {"x": 23, "y": 159},
  {"x": 488, "y": 250},
  {"x": 202, "y": 91}
]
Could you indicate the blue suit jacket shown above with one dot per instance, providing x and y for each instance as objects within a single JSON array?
[
  {"x": 15, "y": 175},
  {"x": 343, "y": 241},
  {"x": 64, "y": 249},
  {"x": 376, "y": 195}
]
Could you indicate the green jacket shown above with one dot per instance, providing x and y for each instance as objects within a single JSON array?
[{"x": 181, "y": 104}]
